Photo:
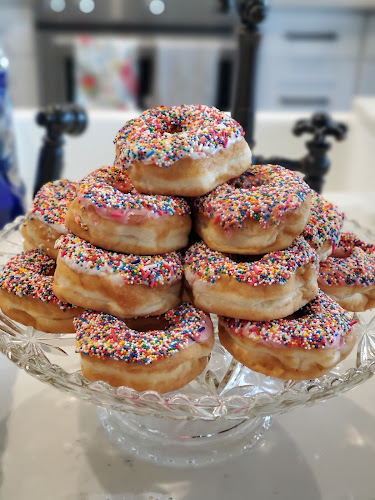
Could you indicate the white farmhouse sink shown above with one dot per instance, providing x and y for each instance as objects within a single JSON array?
[{"x": 351, "y": 160}]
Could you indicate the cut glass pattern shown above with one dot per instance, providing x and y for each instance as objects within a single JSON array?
[{"x": 225, "y": 389}]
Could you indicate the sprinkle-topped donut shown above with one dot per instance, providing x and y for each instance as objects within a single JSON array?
[
  {"x": 125, "y": 285},
  {"x": 303, "y": 346},
  {"x": 266, "y": 287},
  {"x": 264, "y": 192},
  {"x": 320, "y": 324},
  {"x": 45, "y": 221},
  {"x": 348, "y": 275},
  {"x": 273, "y": 268},
  {"x": 111, "y": 214},
  {"x": 51, "y": 203},
  {"x": 163, "y": 135},
  {"x": 196, "y": 148},
  {"x": 157, "y": 353},
  {"x": 262, "y": 210},
  {"x": 324, "y": 226},
  {"x": 149, "y": 270},
  {"x": 26, "y": 284},
  {"x": 110, "y": 190}
]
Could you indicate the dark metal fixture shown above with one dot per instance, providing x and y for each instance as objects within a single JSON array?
[
  {"x": 252, "y": 12},
  {"x": 316, "y": 163},
  {"x": 58, "y": 120}
]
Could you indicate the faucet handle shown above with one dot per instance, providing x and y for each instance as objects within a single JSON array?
[
  {"x": 58, "y": 120},
  {"x": 252, "y": 11},
  {"x": 321, "y": 125},
  {"x": 62, "y": 119}
]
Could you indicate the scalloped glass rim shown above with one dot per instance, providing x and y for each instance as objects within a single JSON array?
[{"x": 226, "y": 388}]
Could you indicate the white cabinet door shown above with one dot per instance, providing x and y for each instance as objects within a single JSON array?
[{"x": 309, "y": 59}]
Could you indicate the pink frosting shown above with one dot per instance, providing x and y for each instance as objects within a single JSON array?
[
  {"x": 123, "y": 216},
  {"x": 203, "y": 334}
]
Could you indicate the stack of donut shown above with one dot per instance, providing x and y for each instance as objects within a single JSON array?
[
  {"x": 122, "y": 259},
  {"x": 263, "y": 236},
  {"x": 141, "y": 293}
]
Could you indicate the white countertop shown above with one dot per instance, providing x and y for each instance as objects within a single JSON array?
[
  {"x": 365, "y": 110},
  {"x": 53, "y": 446}
]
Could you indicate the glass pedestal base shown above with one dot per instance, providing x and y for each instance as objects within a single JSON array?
[{"x": 181, "y": 443}]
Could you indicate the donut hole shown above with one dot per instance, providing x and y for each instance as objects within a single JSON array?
[
  {"x": 148, "y": 323},
  {"x": 249, "y": 180},
  {"x": 244, "y": 259},
  {"x": 301, "y": 313},
  {"x": 49, "y": 272},
  {"x": 174, "y": 128},
  {"x": 46, "y": 269}
]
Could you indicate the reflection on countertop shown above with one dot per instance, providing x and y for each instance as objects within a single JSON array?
[{"x": 322, "y": 452}]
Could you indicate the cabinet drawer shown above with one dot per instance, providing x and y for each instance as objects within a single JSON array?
[
  {"x": 324, "y": 32},
  {"x": 330, "y": 88}
]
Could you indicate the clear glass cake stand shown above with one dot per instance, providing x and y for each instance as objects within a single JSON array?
[{"x": 221, "y": 414}]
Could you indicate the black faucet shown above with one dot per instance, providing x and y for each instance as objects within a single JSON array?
[
  {"x": 316, "y": 163},
  {"x": 58, "y": 120}
]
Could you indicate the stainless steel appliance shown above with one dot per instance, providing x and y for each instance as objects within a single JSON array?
[{"x": 60, "y": 22}]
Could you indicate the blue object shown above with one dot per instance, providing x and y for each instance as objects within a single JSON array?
[{"x": 12, "y": 191}]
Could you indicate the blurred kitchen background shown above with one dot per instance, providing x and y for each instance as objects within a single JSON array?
[
  {"x": 128, "y": 54},
  {"x": 122, "y": 56}
]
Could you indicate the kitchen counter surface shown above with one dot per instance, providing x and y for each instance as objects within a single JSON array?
[
  {"x": 52, "y": 446},
  {"x": 364, "y": 108}
]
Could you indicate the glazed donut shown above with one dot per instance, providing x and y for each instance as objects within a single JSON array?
[
  {"x": 264, "y": 288},
  {"x": 323, "y": 229},
  {"x": 156, "y": 353},
  {"x": 183, "y": 150},
  {"x": 45, "y": 221},
  {"x": 26, "y": 293},
  {"x": 262, "y": 210},
  {"x": 348, "y": 275},
  {"x": 124, "y": 285},
  {"x": 304, "y": 346},
  {"x": 110, "y": 214}
]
